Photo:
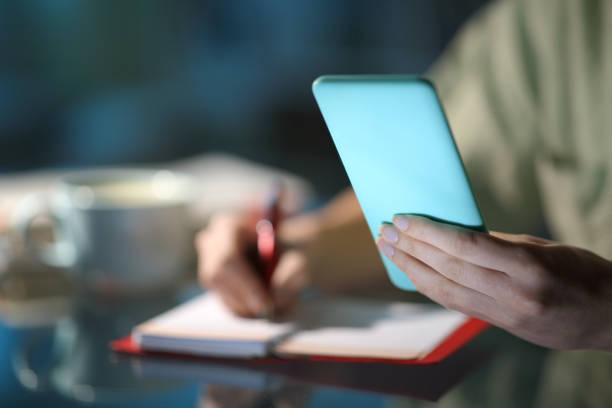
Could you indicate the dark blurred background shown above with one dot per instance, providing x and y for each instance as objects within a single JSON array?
[{"x": 85, "y": 83}]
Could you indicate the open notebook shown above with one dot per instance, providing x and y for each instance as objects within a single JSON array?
[{"x": 328, "y": 327}]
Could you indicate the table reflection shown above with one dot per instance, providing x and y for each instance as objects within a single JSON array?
[
  {"x": 71, "y": 357},
  {"x": 286, "y": 396},
  {"x": 427, "y": 382},
  {"x": 54, "y": 351}
]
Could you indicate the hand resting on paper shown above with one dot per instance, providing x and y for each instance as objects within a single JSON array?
[{"x": 551, "y": 294}]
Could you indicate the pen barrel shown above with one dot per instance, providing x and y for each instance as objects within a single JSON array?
[
  {"x": 266, "y": 228},
  {"x": 267, "y": 250}
]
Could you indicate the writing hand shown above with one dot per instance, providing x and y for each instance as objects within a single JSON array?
[{"x": 223, "y": 266}]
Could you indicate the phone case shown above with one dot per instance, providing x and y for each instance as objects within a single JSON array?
[{"x": 398, "y": 151}]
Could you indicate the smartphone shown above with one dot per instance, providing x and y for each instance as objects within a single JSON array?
[{"x": 398, "y": 151}]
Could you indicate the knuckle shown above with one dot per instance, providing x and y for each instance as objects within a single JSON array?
[
  {"x": 416, "y": 228},
  {"x": 441, "y": 293},
  {"x": 212, "y": 279},
  {"x": 454, "y": 269},
  {"x": 408, "y": 246},
  {"x": 531, "y": 263},
  {"x": 524, "y": 256},
  {"x": 530, "y": 304},
  {"x": 514, "y": 320},
  {"x": 465, "y": 242}
]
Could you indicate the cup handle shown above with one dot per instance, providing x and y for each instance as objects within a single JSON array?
[
  {"x": 60, "y": 253},
  {"x": 36, "y": 379}
]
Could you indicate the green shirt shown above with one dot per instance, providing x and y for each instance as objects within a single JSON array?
[{"x": 527, "y": 86}]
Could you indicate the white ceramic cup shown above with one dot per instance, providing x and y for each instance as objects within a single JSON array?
[{"x": 120, "y": 231}]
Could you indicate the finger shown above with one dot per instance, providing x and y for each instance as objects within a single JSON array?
[
  {"x": 289, "y": 278},
  {"x": 231, "y": 297},
  {"x": 441, "y": 289},
  {"x": 251, "y": 289},
  {"x": 221, "y": 249},
  {"x": 475, "y": 247},
  {"x": 233, "y": 301},
  {"x": 521, "y": 238},
  {"x": 226, "y": 234},
  {"x": 220, "y": 272},
  {"x": 488, "y": 281},
  {"x": 232, "y": 234}
]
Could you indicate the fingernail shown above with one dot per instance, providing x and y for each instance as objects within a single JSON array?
[
  {"x": 390, "y": 233},
  {"x": 386, "y": 249},
  {"x": 401, "y": 222}
]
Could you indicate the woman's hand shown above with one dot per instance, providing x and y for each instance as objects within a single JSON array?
[
  {"x": 330, "y": 248},
  {"x": 554, "y": 295},
  {"x": 224, "y": 266}
]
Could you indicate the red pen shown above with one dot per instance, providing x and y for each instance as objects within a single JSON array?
[{"x": 267, "y": 228}]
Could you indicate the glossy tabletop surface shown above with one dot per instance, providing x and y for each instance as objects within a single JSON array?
[{"x": 54, "y": 351}]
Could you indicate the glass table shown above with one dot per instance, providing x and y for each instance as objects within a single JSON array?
[{"x": 54, "y": 351}]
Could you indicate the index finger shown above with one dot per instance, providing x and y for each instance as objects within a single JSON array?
[
  {"x": 224, "y": 266},
  {"x": 476, "y": 247}
]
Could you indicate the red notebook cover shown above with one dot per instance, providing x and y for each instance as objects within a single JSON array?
[{"x": 452, "y": 343}]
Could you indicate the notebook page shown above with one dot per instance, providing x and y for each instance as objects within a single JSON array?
[
  {"x": 205, "y": 326},
  {"x": 351, "y": 328}
]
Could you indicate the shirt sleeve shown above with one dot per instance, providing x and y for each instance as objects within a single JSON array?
[{"x": 486, "y": 81}]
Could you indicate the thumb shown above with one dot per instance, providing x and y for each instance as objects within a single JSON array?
[
  {"x": 521, "y": 238},
  {"x": 290, "y": 277}
]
